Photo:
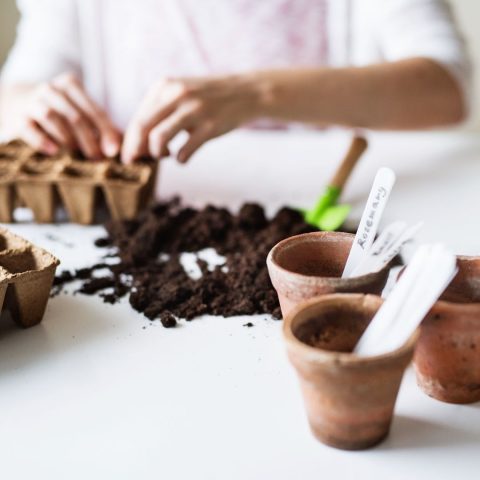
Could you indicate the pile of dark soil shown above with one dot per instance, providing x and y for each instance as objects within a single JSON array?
[{"x": 149, "y": 247}]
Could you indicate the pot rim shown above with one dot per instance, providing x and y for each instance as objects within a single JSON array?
[
  {"x": 460, "y": 305},
  {"x": 311, "y": 279},
  {"x": 468, "y": 258},
  {"x": 322, "y": 356}
]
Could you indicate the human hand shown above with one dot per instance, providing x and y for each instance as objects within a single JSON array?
[
  {"x": 203, "y": 107},
  {"x": 60, "y": 114}
]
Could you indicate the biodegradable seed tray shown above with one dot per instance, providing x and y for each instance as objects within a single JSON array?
[
  {"x": 42, "y": 183},
  {"x": 26, "y": 277}
]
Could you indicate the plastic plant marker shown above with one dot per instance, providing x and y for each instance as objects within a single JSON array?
[
  {"x": 431, "y": 270},
  {"x": 382, "y": 244},
  {"x": 386, "y": 247},
  {"x": 435, "y": 279},
  {"x": 388, "y": 254},
  {"x": 372, "y": 214}
]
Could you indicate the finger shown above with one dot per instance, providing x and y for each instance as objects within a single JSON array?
[
  {"x": 151, "y": 112},
  {"x": 54, "y": 125},
  {"x": 110, "y": 137},
  {"x": 195, "y": 141},
  {"x": 87, "y": 139},
  {"x": 34, "y": 136},
  {"x": 110, "y": 141},
  {"x": 84, "y": 133},
  {"x": 59, "y": 101},
  {"x": 161, "y": 135},
  {"x": 135, "y": 144},
  {"x": 81, "y": 128},
  {"x": 136, "y": 141}
]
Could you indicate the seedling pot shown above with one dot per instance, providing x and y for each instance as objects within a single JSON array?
[
  {"x": 447, "y": 359},
  {"x": 311, "y": 264},
  {"x": 349, "y": 399}
]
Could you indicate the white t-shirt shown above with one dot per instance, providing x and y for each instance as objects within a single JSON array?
[{"x": 120, "y": 47}]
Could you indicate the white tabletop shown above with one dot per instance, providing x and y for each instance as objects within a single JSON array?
[{"x": 98, "y": 391}]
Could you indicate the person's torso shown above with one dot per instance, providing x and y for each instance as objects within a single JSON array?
[{"x": 132, "y": 44}]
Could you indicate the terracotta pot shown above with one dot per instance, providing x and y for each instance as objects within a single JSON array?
[
  {"x": 447, "y": 359},
  {"x": 309, "y": 265},
  {"x": 349, "y": 399}
]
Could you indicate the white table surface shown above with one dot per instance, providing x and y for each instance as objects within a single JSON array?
[{"x": 98, "y": 391}]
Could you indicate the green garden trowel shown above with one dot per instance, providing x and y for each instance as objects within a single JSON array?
[{"x": 326, "y": 214}]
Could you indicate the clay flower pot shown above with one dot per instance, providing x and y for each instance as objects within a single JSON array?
[
  {"x": 447, "y": 359},
  {"x": 349, "y": 399},
  {"x": 311, "y": 264}
]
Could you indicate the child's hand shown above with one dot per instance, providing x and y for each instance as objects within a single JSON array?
[
  {"x": 204, "y": 107},
  {"x": 60, "y": 114}
]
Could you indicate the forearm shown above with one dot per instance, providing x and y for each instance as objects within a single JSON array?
[{"x": 409, "y": 94}]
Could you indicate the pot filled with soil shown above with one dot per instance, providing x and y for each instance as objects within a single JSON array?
[
  {"x": 447, "y": 358},
  {"x": 349, "y": 399},
  {"x": 311, "y": 264}
]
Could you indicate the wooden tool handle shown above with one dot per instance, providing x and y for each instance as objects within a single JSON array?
[{"x": 357, "y": 147}]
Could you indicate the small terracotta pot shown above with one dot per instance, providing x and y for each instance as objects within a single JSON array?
[
  {"x": 447, "y": 359},
  {"x": 311, "y": 264},
  {"x": 349, "y": 399}
]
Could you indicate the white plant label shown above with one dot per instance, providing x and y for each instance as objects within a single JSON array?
[
  {"x": 382, "y": 244},
  {"x": 389, "y": 243},
  {"x": 431, "y": 270},
  {"x": 377, "y": 200}
]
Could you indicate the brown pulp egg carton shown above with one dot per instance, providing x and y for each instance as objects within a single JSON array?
[
  {"x": 42, "y": 183},
  {"x": 26, "y": 278}
]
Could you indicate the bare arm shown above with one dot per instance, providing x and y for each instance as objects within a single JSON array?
[{"x": 409, "y": 94}]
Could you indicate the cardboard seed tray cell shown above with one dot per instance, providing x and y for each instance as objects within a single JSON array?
[
  {"x": 13, "y": 150},
  {"x": 35, "y": 187},
  {"x": 78, "y": 187},
  {"x": 6, "y": 192},
  {"x": 42, "y": 183},
  {"x": 127, "y": 189},
  {"x": 26, "y": 277}
]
